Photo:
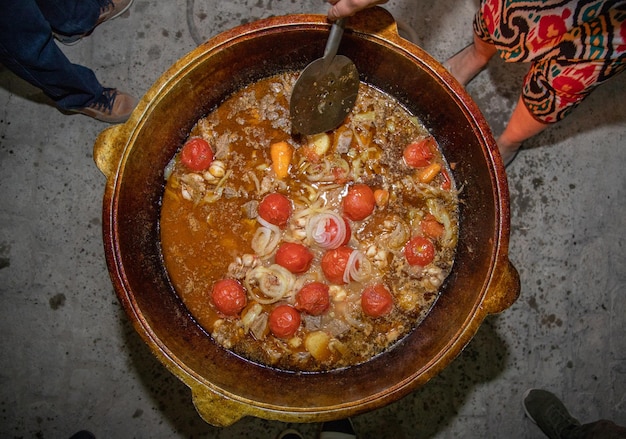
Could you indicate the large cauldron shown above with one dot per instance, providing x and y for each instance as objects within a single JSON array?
[{"x": 133, "y": 156}]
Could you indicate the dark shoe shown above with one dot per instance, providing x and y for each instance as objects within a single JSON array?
[
  {"x": 113, "y": 106},
  {"x": 341, "y": 429},
  {"x": 548, "y": 412},
  {"x": 83, "y": 434},
  {"x": 111, "y": 9},
  {"x": 290, "y": 434}
]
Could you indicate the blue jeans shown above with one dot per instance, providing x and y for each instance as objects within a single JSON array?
[{"x": 28, "y": 49}]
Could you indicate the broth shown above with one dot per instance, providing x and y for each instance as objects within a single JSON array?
[{"x": 364, "y": 219}]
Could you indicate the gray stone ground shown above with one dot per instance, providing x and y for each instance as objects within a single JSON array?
[{"x": 72, "y": 361}]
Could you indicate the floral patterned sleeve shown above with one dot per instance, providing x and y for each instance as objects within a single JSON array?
[{"x": 572, "y": 46}]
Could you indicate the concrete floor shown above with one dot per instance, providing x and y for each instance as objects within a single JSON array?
[{"x": 72, "y": 361}]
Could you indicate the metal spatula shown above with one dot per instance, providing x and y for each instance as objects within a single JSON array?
[{"x": 326, "y": 90}]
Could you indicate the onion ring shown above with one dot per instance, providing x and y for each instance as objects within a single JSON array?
[
  {"x": 274, "y": 283},
  {"x": 265, "y": 239},
  {"x": 316, "y": 230},
  {"x": 358, "y": 267}
]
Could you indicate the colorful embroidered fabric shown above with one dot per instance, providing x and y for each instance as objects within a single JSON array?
[{"x": 573, "y": 46}]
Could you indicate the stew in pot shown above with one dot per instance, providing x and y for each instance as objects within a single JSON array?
[{"x": 308, "y": 253}]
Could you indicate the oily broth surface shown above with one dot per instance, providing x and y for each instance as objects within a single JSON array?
[{"x": 208, "y": 223}]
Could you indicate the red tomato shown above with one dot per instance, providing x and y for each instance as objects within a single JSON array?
[
  {"x": 284, "y": 321},
  {"x": 313, "y": 298},
  {"x": 294, "y": 257},
  {"x": 376, "y": 300},
  {"x": 419, "y": 251},
  {"x": 275, "y": 209},
  {"x": 334, "y": 263},
  {"x": 431, "y": 227},
  {"x": 229, "y": 296},
  {"x": 419, "y": 154},
  {"x": 196, "y": 154},
  {"x": 359, "y": 202}
]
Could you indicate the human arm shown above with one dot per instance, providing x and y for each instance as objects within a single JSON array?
[{"x": 346, "y": 8}]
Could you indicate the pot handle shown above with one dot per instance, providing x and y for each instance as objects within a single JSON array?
[
  {"x": 108, "y": 149},
  {"x": 504, "y": 288},
  {"x": 375, "y": 21},
  {"x": 218, "y": 410}
]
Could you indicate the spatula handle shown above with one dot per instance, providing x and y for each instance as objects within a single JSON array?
[{"x": 336, "y": 32}]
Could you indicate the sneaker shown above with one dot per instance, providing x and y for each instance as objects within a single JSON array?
[
  {"x": 548, "y": 412},
  {"x": 111, "y": 9},
  {"x": 113, "y": 106},
  {"x": 290, "y": 434},
  {"x": 340, "y": 429}
]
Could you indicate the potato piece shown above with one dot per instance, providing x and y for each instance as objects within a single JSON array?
[
  {"x": 338, "y": 347},
  {"x": 316, "y": 343},
  {"x": 320, "y": 143}
]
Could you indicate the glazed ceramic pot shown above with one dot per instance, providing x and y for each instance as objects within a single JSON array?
[{"x": 133, "y": 156}]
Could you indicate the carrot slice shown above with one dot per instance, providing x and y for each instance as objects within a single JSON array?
[
  {"x": 429, "y": 173},
  {"x": 281, "y": 154}
]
